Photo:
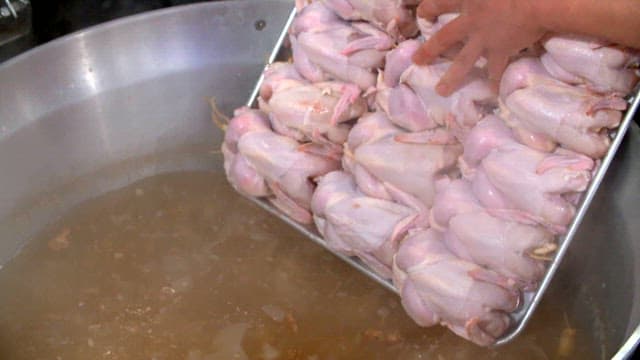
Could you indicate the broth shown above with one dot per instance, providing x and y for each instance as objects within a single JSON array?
[{"x": 178, "y": 266}]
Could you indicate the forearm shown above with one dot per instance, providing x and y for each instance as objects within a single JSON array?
[{"x": 615, "y": 20}]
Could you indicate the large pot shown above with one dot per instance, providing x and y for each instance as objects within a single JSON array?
[{"x": 102, "y": 108}]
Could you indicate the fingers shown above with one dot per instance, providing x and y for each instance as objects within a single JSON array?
[
  {"x": 462, "y": 64},
  {"x": 496, "y": 64},
  {"x": 451, "y": 34},
  {"x": 431, "y": 9}
]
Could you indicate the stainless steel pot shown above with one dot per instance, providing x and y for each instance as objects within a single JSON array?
[{"x": 102, "y": 108}]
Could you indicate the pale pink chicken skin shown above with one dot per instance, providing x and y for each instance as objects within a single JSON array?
[
  {"x": 519, "y": 182},
  {"x": 349, "y": 52},
  {"x": 376, "y": 154},
  {"x": 259, "y": 162},
  {"x": 406, "y": 111},
  {"x": 545, "y": 112},
  {"x": 241, "y": 175},
  {"x": 397, "y": 61},
  {"x": 517, "y": 251},
  {"x": 599, "y": 66},
  {"x": 391, "y": 16},
  {"x": 310, "y": 112},
  {"x": 358, "y": 225},
  {"x": 278, "y": 75},
  {"x": 436, "y": 287},
  {"x": 511, "y": 249},
  {"x": 314, "y": 17},
  {"x": 453, "y": 197}
]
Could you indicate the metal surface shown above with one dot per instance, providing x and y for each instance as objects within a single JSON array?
[
  {"x": 129, "y": 89},
  {"x": 102, "y": 108},
  {"x": 530, "y": 300}
]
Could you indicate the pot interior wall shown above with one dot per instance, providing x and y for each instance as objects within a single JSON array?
[{"x": 101, "y": 108}]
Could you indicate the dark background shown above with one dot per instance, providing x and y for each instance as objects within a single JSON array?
[{"x": 55, "y": 18}]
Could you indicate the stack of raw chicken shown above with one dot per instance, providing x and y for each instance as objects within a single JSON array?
[{"x": 460, "y": 199}]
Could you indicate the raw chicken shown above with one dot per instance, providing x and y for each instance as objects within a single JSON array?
[
  {"x": 355, "y": 224},
  {"x": 377, "y": 153},
  {"x": 259, "y": 162},
  {"x": 396, "y": 62},
  {"x": 314, "y": 17},
  {"x": 521, "y": 183},
  {"x": 241, "y": 175},
  {"x": 453, "y": 197},
  {"x": 390, "y": 15},
  {"x": 325, "y": 49},
  {"x": 516, "y": 251},
  {"x": 413, "y": 103},
  {"x": 544, "y": 111},
  {"x": 279, "y": 75},
  {"x": 601, "y": 67},
  {"x": 310, "y": 112},
  {"x": 437, "y": 287}
]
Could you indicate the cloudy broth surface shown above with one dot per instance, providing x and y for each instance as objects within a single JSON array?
[{"x": 178, "y": 266}]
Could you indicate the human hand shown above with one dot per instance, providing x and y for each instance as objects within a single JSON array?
[{"x": 496, "y": 29}]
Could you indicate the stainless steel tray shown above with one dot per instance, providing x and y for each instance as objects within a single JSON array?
[{"x": 530, "y": 300}]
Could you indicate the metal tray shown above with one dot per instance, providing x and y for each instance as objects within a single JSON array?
[{"x": 530, "y": 299}]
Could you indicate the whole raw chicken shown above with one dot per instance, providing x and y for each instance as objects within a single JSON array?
[
  {"x": 390, "y": 15},
  {"x": 516, "y": 251},
  {"x": 355, "y": 224},
  {"x": 376, "y": 153},
  {"x": 325, "y": 48},
  {"x": 406, "y": 92},
  {"x": 259, "y": 162},
  {"x": 437, "y": 287},
  {"x": 601, "y": 67},
  {"x": 545, "y": 112},
  {"x": 309, "y": 112},
  {"x": 520, "y": 183}
]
